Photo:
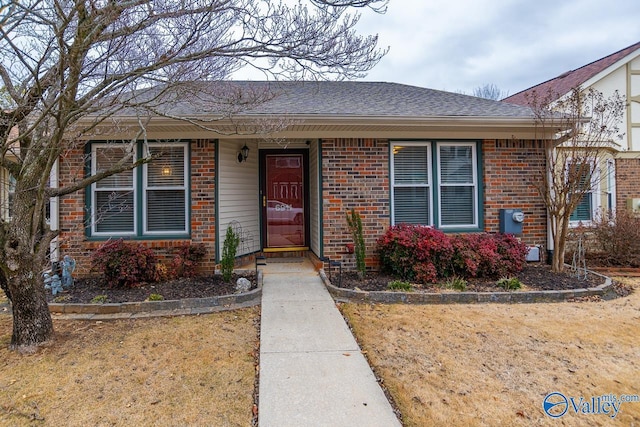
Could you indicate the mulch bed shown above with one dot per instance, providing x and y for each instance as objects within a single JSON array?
[
  {"x": 84, "y": 290},
  {"x": 533, "y": 276}
]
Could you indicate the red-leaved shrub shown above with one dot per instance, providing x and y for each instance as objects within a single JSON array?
[
  {"x": 125, "y": 264},
  {"x": 425, "y": 255}
]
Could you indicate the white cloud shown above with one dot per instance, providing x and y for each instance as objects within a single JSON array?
[{"x": 461, "y": 45}]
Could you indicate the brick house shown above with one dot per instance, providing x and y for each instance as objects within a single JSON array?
[
  {"x": 393, "y": 152},
  {"x": 620, "y": 71}
]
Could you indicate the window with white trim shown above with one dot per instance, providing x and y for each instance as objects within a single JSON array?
[
  {"x": 445, "y": 172},
  {"x": 151, "y": 200},
  {"x": 588, "y": 177}
]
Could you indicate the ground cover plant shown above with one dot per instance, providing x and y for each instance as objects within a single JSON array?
[
  {"x": 493, "y": 364},
  {"x": 194, "y": 370}
]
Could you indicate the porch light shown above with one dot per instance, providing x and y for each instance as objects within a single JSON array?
[{"x": 243, "y": 154}]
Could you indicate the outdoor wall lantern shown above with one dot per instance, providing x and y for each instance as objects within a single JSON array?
[{"x": 243, "y": 154}]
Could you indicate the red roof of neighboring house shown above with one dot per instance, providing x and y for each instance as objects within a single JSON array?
[{"x": 563, "y": 84}]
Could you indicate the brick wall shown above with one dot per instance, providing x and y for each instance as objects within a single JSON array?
[
  {"x": 355, "y": 175},
  {"x": 511, "y": 168},
  {"x": 627, "y": 180},
  {"x": 73, "y": 240}
]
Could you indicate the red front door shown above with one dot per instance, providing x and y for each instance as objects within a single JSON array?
[{"x": 284, "y": 206}]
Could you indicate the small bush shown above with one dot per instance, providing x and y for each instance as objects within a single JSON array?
[
  {"x": 354, "y": 222},
  {"x": 99, "y": 299},
  {"x": 125, "y": 264},
  {"x": 456, "y": 283},
  {"x": 186, "y": 261},
  {"x": 229, "y": 248},
  {"x": 399, "y": 285},
  {"x": 617, "y": 238},
  {"x": 509, "y": 283},
  {"x": 425, "y": 255},
  {"x": 415, "y": 253},
  {"x": 155, "y": 297}
]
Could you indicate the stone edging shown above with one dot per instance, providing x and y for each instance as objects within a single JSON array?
[
  {"x": 604, "y": 291},
  {"x": 160, "y": 308}
]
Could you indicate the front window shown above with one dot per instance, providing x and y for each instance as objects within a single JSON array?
[
  {"x": 424, "y": 171},
  {"x": 143, "y": 201},
  {"x": 586, "y": 183}
]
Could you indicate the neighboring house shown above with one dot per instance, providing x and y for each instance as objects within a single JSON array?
[
  {"x": 393, "y": 152},
  {"x": 617, "y": 180}
]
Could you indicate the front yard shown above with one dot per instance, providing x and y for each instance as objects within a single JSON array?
[
  {"x": 196, "y": 370},
  {"x": 493, "y": 364}
]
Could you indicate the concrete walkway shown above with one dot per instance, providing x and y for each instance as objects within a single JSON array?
[{"x": 312, "y": 372}]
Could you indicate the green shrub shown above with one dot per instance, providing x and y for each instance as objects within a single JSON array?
[
  {"x": 99, "y": 299},
  {"x": 125, "y": 264},
  {"x": 456, "y": 283},
  {"x": 229, "y": 249},
  {"x": 399, "y": 285},
  {"x": 509, "y": 283},
  {"x": 355, "y": 227},
  {"x": 155, "y": 297}
]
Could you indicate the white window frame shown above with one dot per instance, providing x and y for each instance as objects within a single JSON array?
[
  {"x": 429, "y": 185},
  {"x": 184, "y": 187},
  {"x": 473, "y": 184},
  {"x": 95, "y": 189},
  {"x": 435, "y": 181}
]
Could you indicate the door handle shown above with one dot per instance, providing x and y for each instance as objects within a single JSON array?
[{"x": 264, "y": 201}]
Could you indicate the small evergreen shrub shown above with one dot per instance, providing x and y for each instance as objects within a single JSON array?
[
  {"x": 509, "y": 283},
  {"x": 399, "y": 285},
  {"x": 125, "y": 264},
  {"x": 229, "y": 249},
  {"x": 155, "y": 297},
  {"x": 354, "y": 221}
]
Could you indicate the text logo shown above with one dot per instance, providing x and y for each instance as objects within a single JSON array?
[{"x": 555, "y": 404}]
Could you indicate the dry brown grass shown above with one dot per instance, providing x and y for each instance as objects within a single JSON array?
[
  {"x": 493, "y": 364},
  {"x": 196, "y": 370}
]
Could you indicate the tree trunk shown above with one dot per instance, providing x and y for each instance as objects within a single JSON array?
[
  {"x": 560, "y": 244},
  {"x": 32, "y": 324}
]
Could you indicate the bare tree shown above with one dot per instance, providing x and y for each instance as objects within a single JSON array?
[
  {"x": 490, "y": 91},
  {"x": 585, "y": 126},
  {"x": 69, "y": 66}
]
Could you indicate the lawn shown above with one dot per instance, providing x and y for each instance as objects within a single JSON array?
[
  {"x": 493, "y": 364},
  {"x": 196, "y": 370}
]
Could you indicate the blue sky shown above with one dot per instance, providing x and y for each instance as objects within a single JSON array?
[{"x": 459, "y": 45}]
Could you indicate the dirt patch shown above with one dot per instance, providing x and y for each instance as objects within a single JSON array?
[
  {"x": 533, "y": 277},
  {"x": 487, "y": 364},
  {"x": 192, "y": 370},
  {"x": 85, "y": 290}
]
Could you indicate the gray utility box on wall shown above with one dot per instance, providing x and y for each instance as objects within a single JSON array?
[{"x": 511, "y": 221}]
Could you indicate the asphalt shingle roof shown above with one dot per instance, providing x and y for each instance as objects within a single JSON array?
[
  {"x": 565, "y": 82},
  {"x": 356, "y": 99}
]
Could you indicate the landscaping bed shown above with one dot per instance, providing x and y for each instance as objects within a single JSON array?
[
  {"x": 91, "y": 289},
  {"x": 533, "y": 277}
]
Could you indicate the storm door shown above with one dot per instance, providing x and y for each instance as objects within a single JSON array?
[{"x": 284, "y": 200}]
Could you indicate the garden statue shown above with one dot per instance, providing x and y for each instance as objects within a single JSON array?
[
  {"x": 68, "y": 266},
  {"x": 52, "y": 278}
]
